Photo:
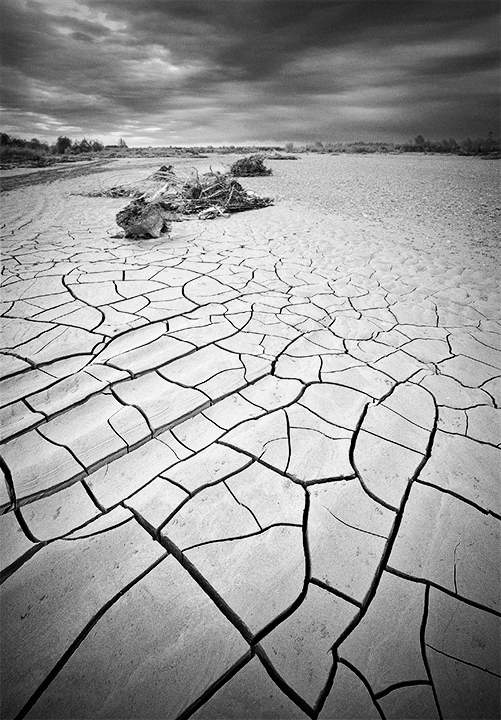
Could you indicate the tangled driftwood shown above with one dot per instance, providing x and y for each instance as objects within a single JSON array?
[
  {"x": 220, "y": 190},
  {"x": 207, "y": 196}
]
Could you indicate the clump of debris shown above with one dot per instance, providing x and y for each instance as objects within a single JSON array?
[
  {"x": 279, "y": 156},
  {"x": 219, "y": 190},
  {"x": 207, "y": 196},
  {"x": 249, "y": 166},
  {"x": 118, "y": 191},
  {"x": 163, "y": 173}
]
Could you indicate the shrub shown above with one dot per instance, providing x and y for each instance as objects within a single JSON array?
[
  {"x": 62, "y": 145},
  {"x": 17, "y": 154}
]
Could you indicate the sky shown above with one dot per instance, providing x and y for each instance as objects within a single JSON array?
[{"x": 209, "y": 72}]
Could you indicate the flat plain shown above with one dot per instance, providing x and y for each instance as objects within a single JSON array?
[{"x": 251, "y": 469}]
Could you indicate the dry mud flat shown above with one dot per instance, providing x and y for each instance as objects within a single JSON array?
[{"x": 252, "y": 470}]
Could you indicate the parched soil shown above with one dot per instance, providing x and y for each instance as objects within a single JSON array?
[
  {"x": 446, "y": 204},
  {"x": 443, "y": 202},
  {"x": 273, "y": 432}
]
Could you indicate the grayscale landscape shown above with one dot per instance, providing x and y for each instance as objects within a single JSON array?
[{"x": 250, "y": 423}]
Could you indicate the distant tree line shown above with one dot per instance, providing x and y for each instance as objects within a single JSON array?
[
  {"x": 37, "y": 152},
  {"x": 14, "y": 150},
  {"x": 62, "y": 146},
  {"x": 478, "y": 146}
]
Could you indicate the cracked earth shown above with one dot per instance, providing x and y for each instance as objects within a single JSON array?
[{"x": 249, "y": 471}]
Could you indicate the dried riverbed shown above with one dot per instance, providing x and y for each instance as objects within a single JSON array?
[{"x": 451, "y": 201}]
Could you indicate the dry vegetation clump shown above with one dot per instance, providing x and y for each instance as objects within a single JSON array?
[
  {"x": 206, "y": 196},
  {"x": 279, "y": 156},
  {"x": 249, "y": 166}
]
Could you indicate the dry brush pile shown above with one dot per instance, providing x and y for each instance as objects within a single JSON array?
[
  {"x": 206, "y": 196},
  {"x": 250, "y": 166}
]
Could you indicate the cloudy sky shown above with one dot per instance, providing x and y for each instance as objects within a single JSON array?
[{"x": 172, "y": 72}]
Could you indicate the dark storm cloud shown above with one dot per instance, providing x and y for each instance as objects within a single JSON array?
[
  {"x": 192, "y": 70},
  {"x": 254, "y": 38}
]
